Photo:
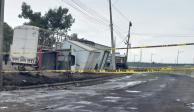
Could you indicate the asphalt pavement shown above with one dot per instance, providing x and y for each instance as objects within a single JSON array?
[{"x": 156, "y": 92}]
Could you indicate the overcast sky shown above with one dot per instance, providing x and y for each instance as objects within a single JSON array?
[{"x": 154, "y": 22}]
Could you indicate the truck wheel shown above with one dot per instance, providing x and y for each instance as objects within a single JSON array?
[{"x": 21, "y": 68}]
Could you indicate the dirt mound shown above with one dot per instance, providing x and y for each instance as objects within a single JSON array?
[{"x": 28, "y": 79}]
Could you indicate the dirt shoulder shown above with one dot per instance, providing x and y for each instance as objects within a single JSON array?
[{"x": 13, "y": 80}]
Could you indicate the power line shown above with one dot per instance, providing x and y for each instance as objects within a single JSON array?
[
  {"x": 92, "y": 14},
  {"x": 159, "y": 46},
  {"x": 90, "y": 10},
  {"x": 119, "y": 12},
  {"x": 115, "y": 2},
  {"x": 96, "y": 14},
  {"x": 85, "y": 11},
  {"x": 163, "y": 35},
  {"x": 136, "y": 47},
  {"x": 86, "y": 14}
]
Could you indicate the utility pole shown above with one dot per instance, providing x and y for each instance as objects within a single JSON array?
[
  {"x": 113, "y": 63},
  {"x": 151, "y": 60},
  {"x": 1, "y": 41},
  {"x": 152, "y": 54},
  {"x": 140, "y": 55},
  {"x": 178, "y": 54},
  {"x": 134, "y": 58},
  {"x": 177, "y": 58},
  {"x": 128, "y": 40},
  {"x": 193, "y": 60}
]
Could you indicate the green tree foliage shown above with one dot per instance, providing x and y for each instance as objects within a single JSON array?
[
  {"x": 8, "y": 37},
  {"x": 73, "y": 36},
  {"x": 57, "y": 19}
]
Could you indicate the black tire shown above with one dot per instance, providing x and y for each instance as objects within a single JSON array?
[{"x": 21, "y": 68}]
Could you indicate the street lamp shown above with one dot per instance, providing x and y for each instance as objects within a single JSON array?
[
  {"x": 178, "y": 55},
  {"x": 193, "y": 60},
  {"x": 134, "y": 58},
  {"x": 152, "y": 55},
  {"x": 140, "y": 55}
]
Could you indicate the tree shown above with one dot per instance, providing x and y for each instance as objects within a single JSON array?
[
  {"x": 73, "y": 36},
  {"x": 58, "y": 19},
  {"x": 7, "y": 41},
  {"x": 8, "y": 37}
]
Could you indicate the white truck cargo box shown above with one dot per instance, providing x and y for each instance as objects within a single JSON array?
[{"x": 25, "y": 45}]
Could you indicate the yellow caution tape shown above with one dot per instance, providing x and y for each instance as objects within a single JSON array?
[{"x": 123, "y": 71}]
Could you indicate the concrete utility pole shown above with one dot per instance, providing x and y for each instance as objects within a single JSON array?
[
  {"x": 113, "y": 63},
  {"x": 1, "y": 40},
  {"x": 128, "y": 40}
]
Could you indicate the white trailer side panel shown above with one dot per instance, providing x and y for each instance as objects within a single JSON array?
[
  {"x": 25, "y": 44},
  {"x": 80, "y": 54},
  {"x": 92, "y": 62},
  {"x": 86, "y": 57},
  {"x": 104, "y": 52}
]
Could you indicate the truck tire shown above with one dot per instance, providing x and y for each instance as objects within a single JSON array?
[{"x": 21, "y": 68}]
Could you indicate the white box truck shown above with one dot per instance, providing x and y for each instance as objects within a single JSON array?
[
  {"x": 25, "y": 45},
  {"x": 30, "y": 49}
]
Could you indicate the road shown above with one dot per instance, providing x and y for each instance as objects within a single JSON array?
[{"x": 154, "y": 92}]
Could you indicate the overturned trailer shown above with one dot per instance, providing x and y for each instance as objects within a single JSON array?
[
  {"x": 104, "y": 53},
  {"x": 86, "y": 58}
]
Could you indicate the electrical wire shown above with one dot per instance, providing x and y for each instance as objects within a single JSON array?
[
  {"x": 79, "y": 6},
  {"x": 95, "y": 17},
  {"x": 91, "y": 11},
  {"x": 115, "y": 2},
  {"x": 136, "y": 47},
  {"x": 119, "y": 12},
  {"x": 163, "y": 35},
  {"x": 88, "y": 16}
]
